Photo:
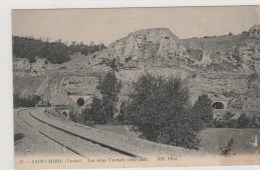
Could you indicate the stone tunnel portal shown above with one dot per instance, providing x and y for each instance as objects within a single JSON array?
[
  {"x": 65, "y": 114},
  {"x": 80, "y": 101},
  {"x": 218, "y": 105}
]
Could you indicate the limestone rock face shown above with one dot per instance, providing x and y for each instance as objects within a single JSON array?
[
  {"x": 149, "y": 47},
  {"x": 218, "y": 66}
]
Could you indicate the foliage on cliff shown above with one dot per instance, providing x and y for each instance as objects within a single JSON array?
[{"x": 56, "y": 52}]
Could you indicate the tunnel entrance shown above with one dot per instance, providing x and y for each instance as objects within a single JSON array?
[
  {"x": 64, "y": 114},
  {"x": 80, "y": 102},
  {"x": 218, "y": 105}
]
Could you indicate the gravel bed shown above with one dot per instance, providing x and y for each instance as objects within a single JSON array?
[
  {"x": 31, "y": 143},
  {"x": 83, "y": 147}
]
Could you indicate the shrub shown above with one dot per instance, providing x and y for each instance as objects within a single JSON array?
[
  {"x": 203, "y": 108},
  {"x": 56, "y": 52},
  {"x": 225, "y": 151},
  {"x": 109, "y": 88},
  {"x": 30, "y": 48},
  {"x": 123, "y": 116},
  {"x": 77, "y": 118},
  {"x": 30, "y": 101},
  {"x": 228, "y": 115},
  {"x": 158, "y": 110},
  {"x": 243, "y": 121},
  {"x": 95, "y": 113}
]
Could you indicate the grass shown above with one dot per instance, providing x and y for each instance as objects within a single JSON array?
[
  {"x": 118, "y": 129},
  {"x": 218, "y": 141}
]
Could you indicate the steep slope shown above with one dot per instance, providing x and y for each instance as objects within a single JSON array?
[
  {"x": 225, "y": 67},
  {"x": 157, "y": 47},
  {"x": 234, "y": 53}
]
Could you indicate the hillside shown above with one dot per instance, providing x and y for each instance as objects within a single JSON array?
[
  {"x": 226, "y": 68},
  {"x": 55, "y": 52}
]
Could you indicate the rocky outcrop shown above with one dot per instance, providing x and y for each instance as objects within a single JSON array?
[
  {"x": 157, "y": 47},
  {"x": 239, "y": 54},
  {"x": 254, "y": 31},
  {"x": 218, "y": 66}
]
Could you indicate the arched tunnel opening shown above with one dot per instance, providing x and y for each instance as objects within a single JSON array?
[
  {"x": 218, "y": 105},
  {"x": 64, "y": 114},
  {"x": 80, "y": 102}
]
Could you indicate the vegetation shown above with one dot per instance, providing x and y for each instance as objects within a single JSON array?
[
  {"x": 243, "y": 121},
  {"x": 109, "y": 87},
  {"x": 30, "y": 101},
  {"x": 18, "y": 136},
  {"x": 56, "y": 52},
  {"x": 77, "y": 118},
  {"x": 225, "y": 151},
  {"x": 102, "y": 111},
  {"x": 123, "y": 116},
  {"x": 203, "y": 108},
  {"x": 159, "y": 110},
  {"x": 30, "y": 48},
  {"x": 85, "y": 49},
  {"x": 95, "y": 113}
]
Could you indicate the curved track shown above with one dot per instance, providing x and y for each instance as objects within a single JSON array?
[{"x": 79, "y": 145}]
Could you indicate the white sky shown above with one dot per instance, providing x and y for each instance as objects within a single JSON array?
[{"x": 108, "y": 25}]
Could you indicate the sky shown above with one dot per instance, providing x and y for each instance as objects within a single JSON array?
[{"x": 108, "y": 25}]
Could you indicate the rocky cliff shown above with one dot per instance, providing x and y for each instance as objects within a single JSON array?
[{"x": 226, "y": 67}]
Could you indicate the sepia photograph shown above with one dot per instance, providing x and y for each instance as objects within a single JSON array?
[{"x": 136, "y": 87}]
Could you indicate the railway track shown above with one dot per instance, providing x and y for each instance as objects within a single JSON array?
[{"x": 79, "y": 145}]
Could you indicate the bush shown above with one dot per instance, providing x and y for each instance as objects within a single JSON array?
[
  {"x": 203, "y": 108},
  {"x": 228, "y": 115},
  {"x": 123, "y": 117},
  {"x": 243, "y": 121},
  {"x": 30, "y": 48},
  {"x": 77, "y": 118},
  {"x": 159, "y": 111},
  {"x": 229, "y": 34},
  {"x": 30, "y": 101},
  {"x": 55, "y": 52},
  {"x": 109, "y": 88},
  {"x": 225, "y": 151},
  {"x": 95, "y": 113}
]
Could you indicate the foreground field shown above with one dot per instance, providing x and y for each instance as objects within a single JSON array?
[
  {"x": 213, "y": 140},
  {"x": 245, "y": 141}
]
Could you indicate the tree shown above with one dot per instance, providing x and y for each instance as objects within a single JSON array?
[
  {"x": 243, "y": 121},
  {"x": 203, "y": 108},
  {"x": 95, "y": 113},
  {"x": 109, "y": 88},
  {"x": 159, "y": 110},
  {"x": 123, "y": 117},
  {"x": 29, "y": 101},
  {"x": 30, "y": 48}
]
